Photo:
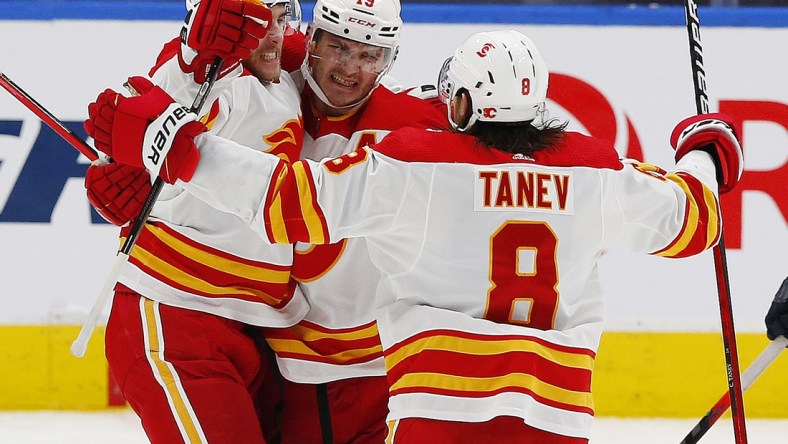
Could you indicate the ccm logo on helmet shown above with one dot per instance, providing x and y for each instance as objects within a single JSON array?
[
  {"x": 485, "y": 49},
  {"x": 160, "y": 139},
  {"x": 489, "y": 113},
  {"x": 361, "y": 22}
]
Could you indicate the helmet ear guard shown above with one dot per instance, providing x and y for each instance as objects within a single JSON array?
[{"x": 504, "y": 74}]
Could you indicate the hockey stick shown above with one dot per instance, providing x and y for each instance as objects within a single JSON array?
[
  {"x": 80, "y": 344},
  {"x": 720, "y": 261},
  {"x": 767, "y": 356},
  {"x": 47, "y": 117}
]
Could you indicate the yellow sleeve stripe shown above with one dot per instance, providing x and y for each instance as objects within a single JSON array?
[
  {"x": 276, "y": 220},
  {"x": 312, "y": 219},
  {"x": 691, "y": 219},
  {"x": 713, "y": 226}
]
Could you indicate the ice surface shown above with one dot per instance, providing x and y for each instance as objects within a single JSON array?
[{"x": 122, "y": 427}]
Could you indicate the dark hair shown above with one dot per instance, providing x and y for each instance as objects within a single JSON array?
[{"x": 519, "y": 137}]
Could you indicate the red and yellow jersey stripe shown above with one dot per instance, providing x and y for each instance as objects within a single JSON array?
[
  {"x": 189, "y": 266},
  {"x": 702, "y": 223},
  {"x": 473, "y": 365},
  {"x": 209, "y": 119},
  {"x": 292, "y": 211},
  {"x": 308, "y": 341}
]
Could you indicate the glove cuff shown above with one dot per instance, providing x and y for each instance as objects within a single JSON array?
[{"x": 713, "y": 134}]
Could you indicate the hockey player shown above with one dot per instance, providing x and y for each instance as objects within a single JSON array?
[
  {"x": 335, "y": 388},
  {"x": 179, "y": 340},
  {"x": 487, "y": 236}
]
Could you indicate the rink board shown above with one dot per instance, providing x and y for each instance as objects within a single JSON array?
[
  {"x": 636, "y": 374},
  {"x": 663, "y": 353}
]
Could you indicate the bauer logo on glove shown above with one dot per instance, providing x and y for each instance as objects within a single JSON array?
[
  {"x": 161, "y": 132},
  {"x": 149, "y": 130}
]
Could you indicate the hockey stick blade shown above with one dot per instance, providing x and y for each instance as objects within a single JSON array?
[
  {"x": 47, "y": 117},
  {"x": 79, "y": 346},
  {"x": 767, "y": 356}
]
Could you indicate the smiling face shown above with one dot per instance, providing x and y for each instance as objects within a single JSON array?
[
  {"x": 265, "y": 61},
  {"x": 346, "y": 71}
]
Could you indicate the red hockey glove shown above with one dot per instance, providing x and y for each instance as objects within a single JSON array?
[
  {"x": 117, "y": 191},
  {"x": 229, "y": 29},
  {"x": 293, "y": 50},
  {"x": 101, "y": 113},
  {"x": 150, "y": 131},
  {"x": 777, "y": 318},
  {"x": 714, "y": 134}
]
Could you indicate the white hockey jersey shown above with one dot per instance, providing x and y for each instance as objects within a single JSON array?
[
  {"x": 338, "y": 337},
  {"x": 193, "y": 256},
  {"x": 490, "y": 257}
]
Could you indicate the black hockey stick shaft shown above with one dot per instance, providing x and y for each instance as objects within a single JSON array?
[
  {"x": 720, "y": 260},
  {"x": 47, "y": 117},
  {"x": 158, "y": 184}
]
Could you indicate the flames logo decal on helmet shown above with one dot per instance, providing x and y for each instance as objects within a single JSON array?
[{"x": 504, "y": 74}]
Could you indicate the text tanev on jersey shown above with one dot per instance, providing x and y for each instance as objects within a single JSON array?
[{"x": 543, "y": 190}]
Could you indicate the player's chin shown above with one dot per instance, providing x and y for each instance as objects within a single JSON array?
[
  {"x": 264, "y": 70},
  {"x": 345, "y": 98},
  {"x": 272, "y": 72}
]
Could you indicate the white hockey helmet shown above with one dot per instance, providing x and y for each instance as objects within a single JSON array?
[
  {"x": 293, "y": 9},
  {"x": 504, "y": 74},
  {"x": 374, "y": 22},
  {"x": 370, "y": 22}
]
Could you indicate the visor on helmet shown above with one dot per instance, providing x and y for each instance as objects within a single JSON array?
[
  {"x": 368, "y": 58},
  {"x": 444, "y": 85},
  {"x": 368, "y": 33}
]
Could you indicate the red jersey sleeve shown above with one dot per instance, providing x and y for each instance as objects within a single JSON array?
[{"x": 293, "y": 51}]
